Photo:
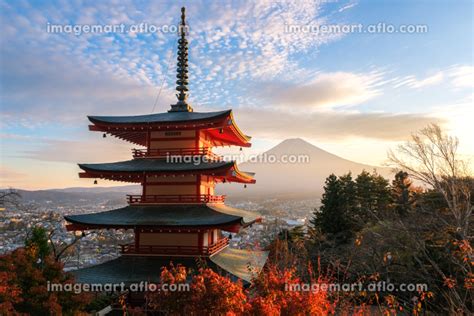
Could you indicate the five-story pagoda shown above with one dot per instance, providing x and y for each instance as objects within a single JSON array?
[{"x": 178, "y": 217}]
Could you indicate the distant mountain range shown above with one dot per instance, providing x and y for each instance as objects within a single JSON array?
[
  {"x": 304, "y": 179},
  {"x": 75, "y": 196},
  {"x": 274, "y": 180},
  {"x": 130, "y": 189}
]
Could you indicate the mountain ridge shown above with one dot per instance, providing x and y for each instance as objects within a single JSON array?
[{"x": 301, "y": 179}]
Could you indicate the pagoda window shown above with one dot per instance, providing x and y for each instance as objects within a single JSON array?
[
  {"x": 205, "y": 239},
  {"x": 213, "y": 236},
  {"x": 207, "y": 185},
  {"x": 216, "y": 236},
  {"x": 209, "y": 237}
]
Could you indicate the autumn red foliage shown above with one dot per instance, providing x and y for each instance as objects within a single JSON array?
[
  {"x": 213, "y": 294},
  {"x": 208, "y": 294},
  {"x": 23, "y": 285},
  {"x": 271, "y": 295}
]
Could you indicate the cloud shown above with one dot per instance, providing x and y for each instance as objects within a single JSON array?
[
  {"x": 11, "y": 177},
  {"x": 92, "y": 150},
  {"x": 61, "y": 77},
  {"x": 347, "y": 6},
  {"x": 458, "y": 76},
  {"x": 428, "y": 81},
  {"x": 414, "y": 83},
  {"x": 329, "y": 125},
  {"x": 326, "y": 89},
  {"x": 59, "y": 90},
  {"x": 462, "y": 76}
]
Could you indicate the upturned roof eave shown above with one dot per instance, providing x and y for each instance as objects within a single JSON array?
[
  {"x": 175, "y": 216},
  {"x": 164, "y": 118}
]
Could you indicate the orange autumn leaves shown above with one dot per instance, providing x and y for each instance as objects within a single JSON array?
[
  {"x": 212, "y": 294},
  {"x": 272, "y": 298},
  {"x": 24, "y": 275},
  {"x": 209, "y": 293}
]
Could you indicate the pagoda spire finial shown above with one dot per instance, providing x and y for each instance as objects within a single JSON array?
[{"x": 182, "y": 69}]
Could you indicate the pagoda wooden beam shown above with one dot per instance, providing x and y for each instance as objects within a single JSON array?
[
  {"x": 200, "y": 242},
  {"x": 232, "y": 227},
  {"x": 96, "y": 128},
  {"x": 137, "y": 238},
  {"x": 170, "y": 183},
  {"x": 76, "y": 227},
  {"x": 158, "y": 126},
  {"x": 172, "y": 138},
  {"x": 125, "y": 177}
]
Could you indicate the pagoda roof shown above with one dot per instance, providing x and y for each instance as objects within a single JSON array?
[
  {"x": 166, "y": 117},
  {"x": 220, "y": 125},
  {"x": 243, "y": 263},
  {"x": 135, "y": 269},
  {"x": 154, "y": 165},
  {"x": 162, "y": 166},
  {"x": 183, "y": 216}
]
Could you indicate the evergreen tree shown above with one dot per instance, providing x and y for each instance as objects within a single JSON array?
[
  {"x": 331, "y": 218},
  {"x": 401, "y": 193},
  {"x": 38, "y": 238},
  {"x": 382, "y": 193},
  {"x": 372, "y": 196},
  {"x": 364, "y": 196},
  {"x": 295, "y": 234},
  {"x": 348, "y": 199}
]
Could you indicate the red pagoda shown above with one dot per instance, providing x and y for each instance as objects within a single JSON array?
[{"x": 178, "y": 217}]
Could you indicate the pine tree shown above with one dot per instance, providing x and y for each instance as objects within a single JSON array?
[
  {"x": 372, "y": 196},
  {"x": 331, "y": 218},
  {"x": 401, "y": 193},
  {"x": 348, "y": 199},
  {"x": 38, "y": 237},
  {"x": 382, "y": 193}
]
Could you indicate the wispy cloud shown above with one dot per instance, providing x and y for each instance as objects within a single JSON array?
[
  {"x": 462, "y": 76},
  {"x": 413, "y": 82},
  {"x": 63, "y": 73},
  {"x": 60, "y": 90},
  {"x": 330, "y": 125},
  {"x": 457, "y": 76},
  {"x": 347, "y": 6},
  {"x": 325, "y": 90}
]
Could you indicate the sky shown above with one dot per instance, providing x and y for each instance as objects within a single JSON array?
[{"x": 287, "y": 69}]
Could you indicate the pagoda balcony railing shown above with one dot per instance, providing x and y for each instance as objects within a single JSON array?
[
  {"x": 170, "y": 199},
  {"x": 166, "y": 152},
  {"x": 175, "y": 250}
]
